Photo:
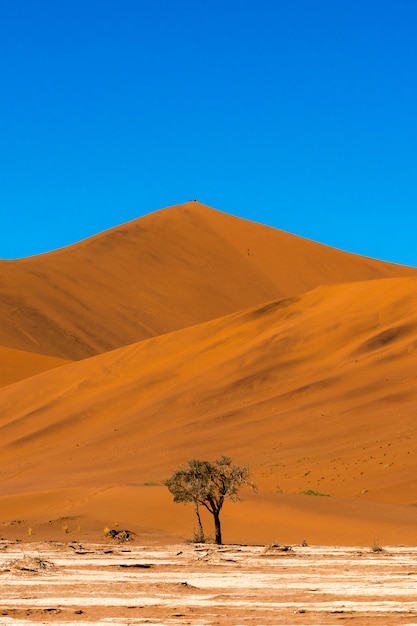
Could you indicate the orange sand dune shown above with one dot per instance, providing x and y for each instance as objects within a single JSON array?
[
  {"x": 16, "y": 365},
  {"x": 169, "y": 270},
  {"x": 316, "y": 391}
]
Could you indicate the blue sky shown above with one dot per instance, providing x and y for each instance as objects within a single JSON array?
[{"x": 299, "y": 114}]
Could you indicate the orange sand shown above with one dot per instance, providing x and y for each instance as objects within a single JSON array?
[
  {"x": 289, "y": 356},
  {"x": 16, "y": 365}
]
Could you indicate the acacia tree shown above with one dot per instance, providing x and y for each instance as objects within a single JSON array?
[{"x": 208, "y": 484}]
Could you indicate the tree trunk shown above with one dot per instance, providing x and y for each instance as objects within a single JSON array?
[
  {"x": 217, "y": 528},
  {"x": 201, "y": 537}
]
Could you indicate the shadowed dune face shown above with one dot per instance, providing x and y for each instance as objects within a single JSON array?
[
  {"x": 314, "y": 392},
  {"x": 169, "y": 270},
  {"x": 17, "y": 365}
]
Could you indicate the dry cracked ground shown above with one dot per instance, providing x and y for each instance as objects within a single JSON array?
[{"x": 44, "y": 583}]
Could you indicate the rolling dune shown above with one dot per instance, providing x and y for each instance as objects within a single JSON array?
[{"x": 316, "y": 391}]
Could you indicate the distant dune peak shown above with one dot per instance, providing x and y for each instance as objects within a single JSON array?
[{"x": 170, "y": 269}]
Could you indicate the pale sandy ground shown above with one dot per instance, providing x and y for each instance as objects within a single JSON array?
[{"x": 200, "y": 585}]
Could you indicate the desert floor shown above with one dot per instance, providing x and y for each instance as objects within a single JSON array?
[{"x": 127, "y": 583}]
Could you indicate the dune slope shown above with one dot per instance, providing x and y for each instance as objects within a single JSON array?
[
  {"x": 169, "y": 270},
  {"x": 17, "y": 365},
  {"x": 315, "y": 392}
]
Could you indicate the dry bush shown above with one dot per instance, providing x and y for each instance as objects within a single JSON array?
[
  {"x": 28, "y": 564},
  {"x": 119, "y": 535},
  {"x": 376, "y": 547}
]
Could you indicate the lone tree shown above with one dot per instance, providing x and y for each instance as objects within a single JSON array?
[{"x": 208, "y": 484}]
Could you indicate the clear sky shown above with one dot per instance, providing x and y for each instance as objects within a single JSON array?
[{"x": 300, "y": 114}]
